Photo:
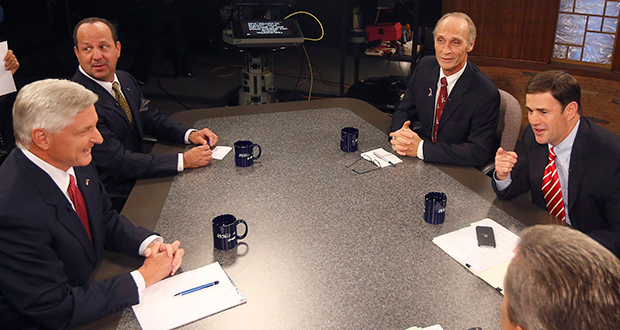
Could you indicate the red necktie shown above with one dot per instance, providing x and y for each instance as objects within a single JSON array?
[
  {"x": 441, "y": 101},
  {"x": 551, "y": 189},
  {"x": 78, "y": 203}
]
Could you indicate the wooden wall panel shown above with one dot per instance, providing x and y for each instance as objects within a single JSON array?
[
  {"x": 456, "y": 5},
  {"x": 615, "y": 64},
  {"x": 511, "y": 29},
  {"x": 541, "y": 19}
]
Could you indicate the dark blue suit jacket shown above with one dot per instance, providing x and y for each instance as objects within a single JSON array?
[
  {"x": 593, "y": 181},
  {"x": 467, "y": 129},
  {"x": 46, "y": 257},
  {"x": 120, "y": 159}
]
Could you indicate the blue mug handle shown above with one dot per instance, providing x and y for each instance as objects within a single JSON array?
[
  {"x": 260, "y": 150},
  {"x": 246, "y": 228}
]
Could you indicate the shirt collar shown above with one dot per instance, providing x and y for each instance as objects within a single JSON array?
[
  {"x": 60, "y": 177},
  {"x": 564, "y": 148},
  {"x": 106, "y": 85},
  {"x": 452, "y": 79}
]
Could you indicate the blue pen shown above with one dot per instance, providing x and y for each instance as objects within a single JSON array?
[{"x": 182, "y": 293}]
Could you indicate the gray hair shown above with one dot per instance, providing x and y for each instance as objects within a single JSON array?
[
  {"x": 561, "y": 279},
  {"x": 471, "y": 27},
  {"x": 51, "y": 104}
]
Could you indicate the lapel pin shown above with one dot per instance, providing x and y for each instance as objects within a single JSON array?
[
  {"x": 87, "y": 182},
  {"x": 430, "y": 92}
]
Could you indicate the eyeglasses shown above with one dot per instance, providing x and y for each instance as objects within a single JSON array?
[{"x": 368, "y": 158}]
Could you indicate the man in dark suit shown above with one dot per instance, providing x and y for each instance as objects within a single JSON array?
[
  {"x": 570, "y": 165},
  {"x": 561, "y": 279},
  {"x": 125, "y": 117},
  {"x": 52, "y": 231},
  {"x": 458, "y": 121}
]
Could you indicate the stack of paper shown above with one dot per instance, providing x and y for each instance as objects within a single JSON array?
[
  {"x": 488, "y": 263},
  {"x": 432, "y": 327},
  {"x": 159, "y": 309},
  {"x": 381, "y": 157}
]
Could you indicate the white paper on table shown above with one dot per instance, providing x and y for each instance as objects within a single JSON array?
[
  {"x": 7, "y": 84},
  {"x": 432, "y": 327},
  {"x": 219, "y": 152},
  {"x": 462, "y": 245},
  {"x": 380, "y": 156},
  {"x": 160, "y": 310}
]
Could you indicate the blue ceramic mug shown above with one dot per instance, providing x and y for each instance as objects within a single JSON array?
[
  {"x": 225, "y": 231},
  {"x": 435, "y": 208},
  {"x": 348, "y": 139},
  {"x": 244, "y": 153}
]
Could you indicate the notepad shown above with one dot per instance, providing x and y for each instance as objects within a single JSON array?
[
  {"x": 219, "y": 152},
  {"x": 381, "y": 157},
  {"x": 159, "y": 309},
  {"x": 490, "y": 264},
  {"x": 432, "y": 327}
]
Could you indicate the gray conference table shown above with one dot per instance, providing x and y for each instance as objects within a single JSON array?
[{"x": 327, "y": 248}]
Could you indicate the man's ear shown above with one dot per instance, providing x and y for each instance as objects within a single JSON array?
[
  {"x": 118, "y": 48},
  {"x": 571, "y": 109},
  {"x": 75, "y": 50},
  {"x": 470, "y": 47},
  {"x": 41, "y": 138}
]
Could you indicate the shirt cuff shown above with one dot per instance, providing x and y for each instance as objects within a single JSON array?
[
  {"x": 502, "y": 184},
  {"x": 148, "y": 241},
  {"x": 421, "y": 150},
  {"x": 189, "y": 131},
  {"x": 180, "y": 164},
  {"x": 139, "y": 279}
]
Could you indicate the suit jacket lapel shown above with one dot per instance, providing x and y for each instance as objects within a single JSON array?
[
  {"x": 456, "y": 96},
  {"x": 581, "y": 150},
  {"x": 126, "y": 85},
  {"x": 106, "y": 97},
  {"x": 539, "y": 159},
  {"x": 53, "y": 196},
  {"x": 86, "y": 184}
]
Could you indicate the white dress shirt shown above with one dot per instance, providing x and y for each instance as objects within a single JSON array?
[
  {"x": 61, "y": 178},
  {"x": 108, "y": 87},
  {"x": 452, "y": 79},
  {"x": 562, "y": 164}
]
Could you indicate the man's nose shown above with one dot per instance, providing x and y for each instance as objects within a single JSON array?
[
  {"x": 96, "y": 54},
  {"x": 532, "y": 118},
  {"x": 97, "y": 139}
]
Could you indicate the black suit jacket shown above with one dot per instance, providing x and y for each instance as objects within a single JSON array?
[
  {"x": 46, "y": 257},
  {"x": 593, "y": 181},
  {"x": 120, "y": 159},
  {"x": 467, "y": 128}
]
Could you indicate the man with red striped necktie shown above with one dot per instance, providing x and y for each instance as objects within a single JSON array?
[{"x": 570, "y": 164}]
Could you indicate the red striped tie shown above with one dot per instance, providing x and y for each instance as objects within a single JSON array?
[
  {"x": 78, "y": 203},
  {"x": 441, "y": 101},
  {"x": 551, "y": 189}
]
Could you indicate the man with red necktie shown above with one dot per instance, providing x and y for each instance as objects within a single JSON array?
[
  {"x": 570, "y": 164},
  {"x": 456, "y": 104},
  {"x": 56, "y": 218}
]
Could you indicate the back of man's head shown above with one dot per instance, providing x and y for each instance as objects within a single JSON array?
[{"x": 561, "y": 279}]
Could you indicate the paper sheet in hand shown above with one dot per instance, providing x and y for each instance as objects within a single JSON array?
[
  {"x": 160, "y": 310},
  {"x": 488, "y": 263},
  {"x": 220, "y": 152},
  {"x": 7, "y": 84},
  {"x": 381, "y": 156}
]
